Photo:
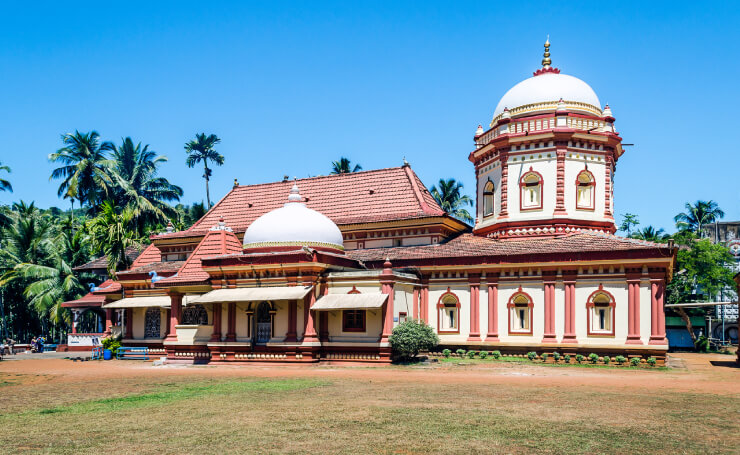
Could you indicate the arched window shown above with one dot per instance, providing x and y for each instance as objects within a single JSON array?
[
  {"x": 153, "y": 323},
  {"x": 531, "y": 191},
  {"x": 194, "y": 315},
  {"x": 448, "y": 313},
  {"x": 520, "y": 313},
  {"x": 585, "y": 185},
  {"x": 600, "y": 306},
  {"x": 488, "y": 192}
]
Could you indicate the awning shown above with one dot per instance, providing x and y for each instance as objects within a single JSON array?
[
  {"x": 350, "y": 302},
  {"x": 140, "y": 302},
  {"x": 254, "y": 294}
]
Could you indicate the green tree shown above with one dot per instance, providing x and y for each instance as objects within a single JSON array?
[
  {"x": 202, "y": 149},
  {"x": 698, "y": 215},
  {"x": 110, "y": 235},
  {"x": 344, "y": 166},
  {"x": 702, "y": 271},
  {"x": 84, "y": 168},
  {"x": 629, "y": 221},
  {"x": 448, "y": 194},
  {"x": 137, "y": 187},
  {"x": 410, "y": 337},
  {"x": 5, "y": 184},
  {"x": 650, "y": 234}
]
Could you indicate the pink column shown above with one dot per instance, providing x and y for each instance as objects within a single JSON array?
[
  {"x": 569, "y": 285},
  {"x": 549, "y": 284},
  {"x": 657, "y": 314},
  {"x": 108, "y": 321},
  {"x": 231, "y": 320},
  {"x": 386, "y": 281},
  {"x": 309, "y": 332},
  {"x": 175, "y": 311},
  {"x": 492, "y": 334},
  {"x": 415, "y": 309},
  {"x": 216, "y": 336},
  {"x": 292, "y": 321},
  {"x": 424, "y": 300},
  {"x": 474, "y": 280},
  {"x": 633, "y": 297}
]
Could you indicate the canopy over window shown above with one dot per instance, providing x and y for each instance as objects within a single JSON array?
[
  {"x": 254, "y": 294},
  {"x": 140, "y": 302},
  {"x": 350, "y": 302}
]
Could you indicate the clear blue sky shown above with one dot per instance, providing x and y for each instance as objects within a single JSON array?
[{"x": 291, "y": 86}]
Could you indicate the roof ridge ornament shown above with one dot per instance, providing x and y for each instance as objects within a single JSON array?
[
  {"x": 295, "y": 194},
  {"x": 546, "y": 61},
  {"x": 221, "y": 226}
]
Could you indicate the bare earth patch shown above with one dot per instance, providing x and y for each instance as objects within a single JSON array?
[{"x": 57, "y": 406}]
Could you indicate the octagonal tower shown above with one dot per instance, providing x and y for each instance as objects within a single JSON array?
[{"x": 545, "y": 165}]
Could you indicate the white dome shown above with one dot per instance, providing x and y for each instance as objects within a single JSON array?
[
  {"x": 547, "y": 87},
  {"x": 293, "y": 224}
]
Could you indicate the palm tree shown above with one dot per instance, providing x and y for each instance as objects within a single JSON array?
[
  {"x": 697, "y": 216},
  {"x": 450, "y": 198},
  {"x": 84, "y": 168},
  {"x": 201, "y": 149},
  {"x": 4, "y": 184},
  {"x": 137, "y": 186},
  {"x": 110, "y": 234},
  {"x": 629, "y": 221},
  {"x": 344, "y": 166},
  {"x": 650, "y": 234}
]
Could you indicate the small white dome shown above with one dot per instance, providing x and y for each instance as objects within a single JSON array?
[
  {"x": 548, "y": 87},
  {"x": 293, "y": 224}
]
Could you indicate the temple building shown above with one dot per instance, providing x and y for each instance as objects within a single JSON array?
[{"x": 323, "y": 268}]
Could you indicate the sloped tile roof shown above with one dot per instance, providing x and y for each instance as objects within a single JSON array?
[
  {"x": 216, "y": 242},
  {"x": 150, "y": 254},
  {"x": 159, "y": 267},
  {"x": 511, "y": 250},
  {"x": 132, "y": 252},
  {"x": 359, "y": 197}
]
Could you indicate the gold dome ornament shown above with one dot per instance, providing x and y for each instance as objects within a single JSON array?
[{"x": 546, "y": 62}]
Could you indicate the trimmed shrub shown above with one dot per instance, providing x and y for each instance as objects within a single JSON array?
[
  {"x": 566, "y": 358},
  {"x": 606, "y": 360},
  {"x": 579, "y": 358},
  {"x": 593, "y": 357},
  {"x": 471, "y": 354},
  {"x": 544, "y": 356},
  {"x": 496, "y": 354},
  {"x": 460, "y": 352},
  {"x": 531, "y": 355},
  {"x": 556, "y": 356},
  {"x": 651, "y": 361},
  {"x": 483, "y": 354},
  {"x": 410, "y": 337},
  {"x": 620, "y": 359},
  {"x": 635, "y": 361},
  {"x": 446, "y": 353}
]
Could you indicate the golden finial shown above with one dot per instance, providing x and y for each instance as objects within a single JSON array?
[{"x": 546, "y": 62}]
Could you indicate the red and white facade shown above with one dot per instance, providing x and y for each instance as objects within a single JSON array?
[{"x": 323, "y": 268}]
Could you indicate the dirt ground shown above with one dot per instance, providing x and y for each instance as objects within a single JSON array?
[{"x": 47, "y": 406}]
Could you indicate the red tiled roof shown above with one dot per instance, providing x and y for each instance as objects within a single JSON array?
[
  {"x": 358, "y": 197},
  {"x": 159, "y": 267},
  {"x": 481, "y": 249},
  {"x": 108, "y": 286},
  {"x": 215, "y": 242},
  {"x": 150, "y": 254},
  {"x": 95, "y": 298},
  {"x": 132, "y": 252}
]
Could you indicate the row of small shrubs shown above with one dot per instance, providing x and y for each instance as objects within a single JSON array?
[{"x": 593, "y": 358}]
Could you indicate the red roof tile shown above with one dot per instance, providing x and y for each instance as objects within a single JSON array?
[
  {"x": 216, "y": 242},
  {"x": 149, "y": 255},
  {"x": 132, "y": 252},
  {"x": 484, "y": 250},
  {"x": 359, "y": 197}
]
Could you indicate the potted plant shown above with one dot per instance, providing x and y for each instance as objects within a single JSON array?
[
  {"x": 496, "y": 355},
  {"x": 606, "y": 360},
  {"x": 471, "y": 355},
  {"x": 579, "y": 358},
  {"x": 593, "y": 357},
  {"x": 483, "y": 354},
  {"x": 460, "y": 352},
  {"x": 566, "y": 358},
  {"x": 110, "y": 347},
  {"x": 620, "y": 359},
  {"x": 446, "y": 353},
  {"x": 556, "y": 356},
  {"x": 531, "y": 355},
  {"x": 635, "y": 361},
  {"x": 651, "y": 361},
  {"x": 544, "y": 357}
]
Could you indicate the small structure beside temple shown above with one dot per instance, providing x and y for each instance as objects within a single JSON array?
[{"x": 324, "y": 268}]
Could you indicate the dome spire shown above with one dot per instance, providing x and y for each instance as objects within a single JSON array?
[
  {"x": 546, "y": 62},
  {"x": 295, "y": 194}
]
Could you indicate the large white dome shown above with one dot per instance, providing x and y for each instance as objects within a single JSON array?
[
  {"x": 548, "y": 87},
  {"x": 293, "y": 224}
]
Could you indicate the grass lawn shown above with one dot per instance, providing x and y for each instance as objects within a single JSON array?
[{"x": 377, "y": 413}]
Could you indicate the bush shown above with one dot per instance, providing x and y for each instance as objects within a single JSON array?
[
  {"x": 635, "y": 361},
  {"x": 410, "y": 337},
  {"x": 606, "y": 360},
  {"x": 496, "y": 354},
  {"x": 471, "y": 354},
  {"x": 531, "y": 355},
  {"x": 544, "y": 356},
  {"x": 566, "y": 358},
  {"x": 446, "y": 353},
  {"x": 460, "y": 352},
  {"x": 111, "y": 343},
  {"x": 579, "y": 358},
  {"x": 702, "y": 344},
  {"x": 651, "y": 361},
  {"x": 620, "y": 359},
  {"x": 556, "y": 356},
  {"x": 593, "y": 357},
  {"x": 483, "y": 354}
]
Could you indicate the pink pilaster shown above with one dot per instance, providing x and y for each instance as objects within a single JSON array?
[
  {"x": 109, "y": 321},
  {"x": 492, "y": 334},
  {"x": 569, "y": 311},
  {"x": 504, "y": 157},
  {"x": 292, "y": 321},
  {"x": 309, "y": 332},
  {"x": 633, "y": 300},
  {"x": 386, "y": 280},
  {"x": 474, "y": 280},
  {"x": 415, "y": 309},
  {"x": 424, "y": 300},
  {"x": 549, "y": 285},
  {"x": 560, "y": 180},
  {"x": 216, "y": 336},
  {"x": 175, "y": 311},
  {"x": 231, "y": 320},
  {"x": 657, "y": 314}
]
